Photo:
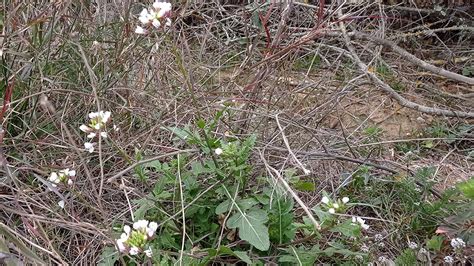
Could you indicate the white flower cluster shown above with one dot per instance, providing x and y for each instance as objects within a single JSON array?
[
  {"x": 457, "y": 243},
  {"x": 156, "y": 16},
  {"x": 412, "y": 245},
  {"x": 448, "y": 259},
  {"x": 361, "y": 222},
  {"x": 333, "y": 206},
  {"x": 96, "y": 127},
  {"x": 135, "y": 241},
  {"x": 63, "y": 176}
]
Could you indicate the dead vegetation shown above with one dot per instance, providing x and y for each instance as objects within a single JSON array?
[{"x": 348, "y": 85}]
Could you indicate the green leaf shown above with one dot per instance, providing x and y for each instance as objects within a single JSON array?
[
  {"x": 281, "y": 227},
  {"x": 223, "y": 207},
  {"x": 435, "y": 243},
  {"x": 300, "y": 256},
  {"x": 347, "y": 228},
  {"x": 467, "y": 188},
  {"x": 244, "y": 204},
  {"x": 108, "y": 256},
  {"x": 145, "y": 204},
  {"x": 251, "y": 227},
  {"x": 305, "y": 186},
  {"x": 201, "y": 123},
  {"x": 243, "y": 256}
]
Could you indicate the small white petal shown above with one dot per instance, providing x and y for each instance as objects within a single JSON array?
[
  {"x": 148, "y": 252},
  {"x": 345, "y": 200},
  {"x": 89, "y": 146},
  {"x": 156, "y": 23},
  {"x": 69, "y": 182},
  {"x": 306, "y": 171},
  {"x": 153, "y": 226},
  {"x": 325, "y": 200},
  {"x": 140, "y": 225},
  {"x": 331, "y": 210},
  {"x": 168, "y": 22},
  {"x": 91, "y": 135},
  {"x": 124, "y": 237},
  {"x": 106, "y": 116},
  {"x": 116, "y": 128},
  {"x": 85, "y": 128},
  {"x": 61, "y": 204},
  {"x": 157, "y": 5},
  {"x": 127, "y": 229},
  {"x": 336, "y": 206},
  {"x": 53, "y": 177},
  {"x": 144, "y": 12},
  {"x": 140, "y": 30},
  {"x": 134, "y": 251},
  {"x": 218, "y": 151},
  {"x": 72, "y": 173},
  {"x": 93, "y": 115},
  {"x": 120, "y": 245},
  {"x": 103, "y": 134}
]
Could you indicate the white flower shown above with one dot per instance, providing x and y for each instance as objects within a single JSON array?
[
  {"x": 151, "y": 229},
  {"x": 218, "y": 151},
  {"x": 412, "y": 245},
  {"x": 345, "y": 200},
  {"x": 331, "y": 210},
  {"x": 140, "y": 30},
  {"x": 457, "y": 243},
  {"x": 116, "y": 128},
  {"x": 61, "y": 204},
  {"x": 91, "y": 135},
  {"x": 105, "y": 116},
  {"x": 103, "y": 134},
  {"x": 162, "y": 7},
  {"x": 72, "y": 172},
  {"x": 168, "y": 22},
  {"x": 89, "y": 147},
  {"x": 67, "y": 172},
  {"x": 361, "y": 222},
  {"x": 448, "y": 259},
  {"x": 325, "y": 200},
  {"x": 144, "y": 17},
  {"x": 54, "y": 178},
  {"x": 336, "y": 206},
  {"x": 140, "y": 225},
  {"x": 93, "y": 115},
  {"x": 70, "y": 182},
  {"x": 148, "y": 252},
  {"x": 85, "y": 128},
  {"x": 306, "y": 171},
  {"x": 127, "y": 230},
  {"x": 134, "y": 251},
  {"x": 120, "y": 245}
]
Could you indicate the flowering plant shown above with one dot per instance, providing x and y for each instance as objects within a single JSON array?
[
  {"x": 63, "y": 176},
  {"x": 96, "y": 127},
  {"x": 156, "y": 16},
  {"x": 135, "y": 241}
]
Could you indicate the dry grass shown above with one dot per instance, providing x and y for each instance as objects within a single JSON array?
[{"x": 212, "y": 54}]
